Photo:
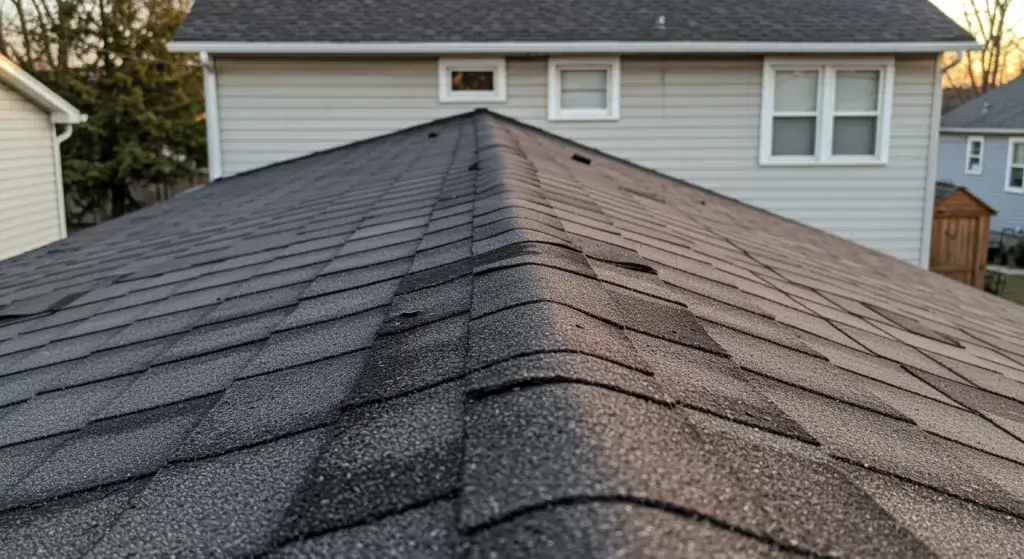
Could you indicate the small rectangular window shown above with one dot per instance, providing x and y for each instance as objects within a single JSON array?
[
  {"x": 1015, "y": 173},
  {"x": 583, "y": 89},
  {"x": 471, "y": 80},
  {"x": 975, "y": 154},
  {"x": 826, "y": 111}
]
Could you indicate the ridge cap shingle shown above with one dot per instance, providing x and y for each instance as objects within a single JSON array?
[{"x": 507, "y": 347}]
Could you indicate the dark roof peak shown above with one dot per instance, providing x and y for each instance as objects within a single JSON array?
[{"x": 471, "y": 343}]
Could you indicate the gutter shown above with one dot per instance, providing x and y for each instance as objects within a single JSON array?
[
  {"x": 58, "y": 164},
  {"x": 61, "y": 111},
  {"x": 211, "y": 104},
  {"x": 588, "y": 47},
  {"x": 985, "y": 131}
]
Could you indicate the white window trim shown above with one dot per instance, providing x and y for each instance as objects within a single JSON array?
[
  {"x": 1010, "y": 166},
  {"x": 827, "y": 68},
  {"x": 556, "y": 65},
  {"x": 447, "y": 65},
  {"x": 981, "y": 155}
]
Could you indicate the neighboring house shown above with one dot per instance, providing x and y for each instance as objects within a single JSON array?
[
  {"x": 822, "y": 111},
  {"x": 983, "y": 149},
  {"x": 476, "y": 339},
  {"x": 31, "y": 185}
]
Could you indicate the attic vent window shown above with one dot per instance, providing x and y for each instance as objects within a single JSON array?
[{"x": 471, "y": 80}]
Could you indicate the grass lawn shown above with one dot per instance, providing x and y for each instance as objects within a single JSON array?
[{"x": 1014, "y": 290}]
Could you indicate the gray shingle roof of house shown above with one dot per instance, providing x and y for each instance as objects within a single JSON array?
[
  {"x": 348, "y": 21},
  {"x": 1000, "y": 108},
  {"x": 472, "y": 337}
]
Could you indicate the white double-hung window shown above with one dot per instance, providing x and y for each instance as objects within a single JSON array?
[
  {"x": 975, "y": 155},
  {"x": 1015, "y": 170},
  {"x": 826, "y": 112},
  {"x": 583, "y": 88}
]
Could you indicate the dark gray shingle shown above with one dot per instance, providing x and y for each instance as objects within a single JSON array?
[
  {"x": 1000, "y": 108},
  {"x": 650, "y": 368},
  {"x": 568, "y": 20}
]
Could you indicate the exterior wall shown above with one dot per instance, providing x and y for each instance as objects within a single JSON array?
[
  {"x": 990, "y": 185},
  {"x": 29, "y": 210},
  {"x": 694, "y": 118}
]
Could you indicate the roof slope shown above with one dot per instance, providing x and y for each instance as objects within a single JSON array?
[
  {"x": 350, "y": 21},
  {"x": 999, "y": 109},
  {"x": 472, "y": 336}
]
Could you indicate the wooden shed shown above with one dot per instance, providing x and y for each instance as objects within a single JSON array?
[{"x": 960, "y": 230}]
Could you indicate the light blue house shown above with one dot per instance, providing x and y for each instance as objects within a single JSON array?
[{"x": 982, "y": 149}]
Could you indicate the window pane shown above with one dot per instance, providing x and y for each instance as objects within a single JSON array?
[
  {"x": 584, "y": 79},
  {"x": 796, "y": 91},
  {"x": 584, "y": 100},
  {"x": 854, "y": 136},
  {"x": 481, "y": 80},
  {"x": 973, "y": 164},
  {"x": 857, "y": 91},
  {"x": 975, "y": 148},
  {"x": 1017, "y": 177},
  {"x": 793, "y": 136},
  {"x": 1018, "y": 154}
]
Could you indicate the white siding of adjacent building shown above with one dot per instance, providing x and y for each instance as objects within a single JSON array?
[
  {"x": 29, "y": 210},
  {"x": 697, "y": 119}
]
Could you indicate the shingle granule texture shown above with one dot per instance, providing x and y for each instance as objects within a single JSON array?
[
  {"x": 568, "y": 20},
  {"x": 458, "y": 340}
]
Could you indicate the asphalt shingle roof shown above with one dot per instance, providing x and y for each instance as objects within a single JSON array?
[
  {"x": 1000, "y": 108},
  {"x": 350, "y": 21},
  {"x": 460, "y": 339}
]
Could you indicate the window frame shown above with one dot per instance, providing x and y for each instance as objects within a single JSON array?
[
  {"x": 1011, "y": 143},
  {"x": 828, "y": 69},
  {"x": 613, "y": 67},
  {"x": 445, "y": 93},
  {"x": 981, "y": 155}
]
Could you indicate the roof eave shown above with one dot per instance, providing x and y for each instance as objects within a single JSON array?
[
  {"x": 981, "y": 131},
  {"x": 60, "y": 109},
  {"x": 589, "y": 47}
]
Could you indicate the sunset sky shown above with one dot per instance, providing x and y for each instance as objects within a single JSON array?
[{"x": 955, "y": 8}]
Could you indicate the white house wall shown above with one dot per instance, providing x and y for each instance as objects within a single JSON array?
[
  {"x": 694, "y": 118},
  {"x": 29, "y": 210}
]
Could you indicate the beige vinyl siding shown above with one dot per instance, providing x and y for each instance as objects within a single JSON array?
[
  {"x": 29, "y": 213},
  {"x": 694, "y": 118}
]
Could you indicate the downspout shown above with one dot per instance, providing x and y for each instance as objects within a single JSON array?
[
  {"x": 933, "y": 160},
  {"x": 212, "y": 115},
  {"x": 59, "y": 139},
  {"x": 959, "y": 57}
]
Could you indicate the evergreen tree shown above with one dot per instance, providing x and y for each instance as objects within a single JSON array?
[{"x": 145, "y": 105}]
